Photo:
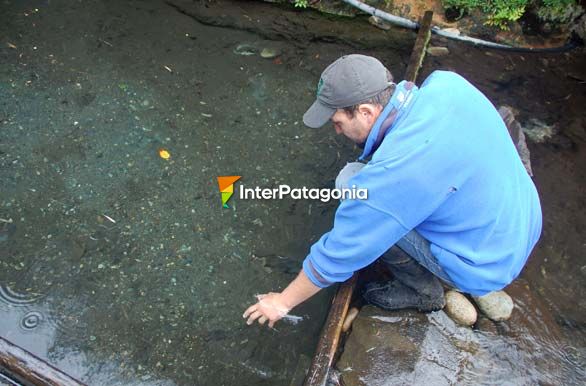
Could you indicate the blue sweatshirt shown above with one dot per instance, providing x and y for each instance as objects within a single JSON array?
[{"x": 447, "y": 168}]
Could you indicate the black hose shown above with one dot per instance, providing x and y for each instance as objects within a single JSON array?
[{"x": 406, "y": 23}]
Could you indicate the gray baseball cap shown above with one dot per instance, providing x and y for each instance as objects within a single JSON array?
[{"x": 346, "y": 82}]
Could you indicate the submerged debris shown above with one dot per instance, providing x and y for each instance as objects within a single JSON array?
[
  {"x": 164, "y": 154},
  {"x": 245, "y": 50},
  {"x": 269, "y": 53}
]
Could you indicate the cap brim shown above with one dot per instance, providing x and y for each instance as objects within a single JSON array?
[{"x": 317, "y": 115}]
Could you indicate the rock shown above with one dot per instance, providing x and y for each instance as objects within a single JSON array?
[
  {"x": 334, "y": 378},
  {"x": 459, "y": 308},
  {"x": 438, "y": 51},
  {"x": 269, "y": 53},
  {"x": 538, "y": 131},
  {"x": 352, "y": 313},
  {"x": 508, "y": 114},
  {"x": 496, "y": 305},
  {"x": 379, "y": 23},
  {"x": 485, "y": 325},
  {"x": 404, "y": 348}
]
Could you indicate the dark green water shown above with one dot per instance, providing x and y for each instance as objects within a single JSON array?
[{"x": 156, "y": 296}]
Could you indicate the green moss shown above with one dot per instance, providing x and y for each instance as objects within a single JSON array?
[
  {"x": 501, "y": 12},
  {"x": 559, "y": 11}
]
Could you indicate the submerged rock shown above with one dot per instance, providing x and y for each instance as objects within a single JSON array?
[
  {"x": 269, "y": 53},
  {"x": 459, "y": 308}
]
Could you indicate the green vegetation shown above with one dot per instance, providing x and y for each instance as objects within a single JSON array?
[
  {"x": 501, "y": 12},
  {"x": 561, "y": 11},
  {"x": 301, "y": 3}
]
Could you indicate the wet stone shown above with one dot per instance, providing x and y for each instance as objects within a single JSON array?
[
  {"x": 396, "y": 348},
  {"x": 497, "y": 305},
  {"x": 459, "y": 308}
]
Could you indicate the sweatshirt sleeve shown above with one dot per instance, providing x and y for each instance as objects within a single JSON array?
[{"x": 360, "y": 235}]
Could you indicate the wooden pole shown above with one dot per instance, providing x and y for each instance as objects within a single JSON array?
[
  {"x": 28, "y": 369},
  {"x": 330, "y": 334}
]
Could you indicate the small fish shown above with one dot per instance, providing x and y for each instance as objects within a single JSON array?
[{"x": 292, "y": 319}]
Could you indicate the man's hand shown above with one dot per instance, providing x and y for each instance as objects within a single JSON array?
[
  {"x": 274, "y": 306},
  {"x": 270, "y": 307}
]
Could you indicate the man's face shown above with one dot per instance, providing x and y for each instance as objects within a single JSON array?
[{"x": 358, "y": 126}]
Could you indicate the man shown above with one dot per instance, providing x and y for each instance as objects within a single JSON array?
[{"x": 445, "y": 185}]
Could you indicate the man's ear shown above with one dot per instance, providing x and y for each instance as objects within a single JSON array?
[{"x": 369, "y": 112}]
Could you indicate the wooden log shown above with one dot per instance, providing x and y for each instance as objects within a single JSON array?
[
  {"x": 330, "y": 335},
  {"x": 28, "y": 369},
  {"x": 418, "y": 53}
]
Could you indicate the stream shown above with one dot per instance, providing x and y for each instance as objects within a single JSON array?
[{"x": 121, "y": 267}]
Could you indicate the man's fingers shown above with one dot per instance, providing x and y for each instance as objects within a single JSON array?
[
  {"x": 272, "y": 323},
  {"x": 249, "y": 310},
  {"x": 253, "y": 317},
  {"x": 262, "y": 319}
]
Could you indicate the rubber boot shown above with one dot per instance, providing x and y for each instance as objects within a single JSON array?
[{"x": 413, "y": 286}]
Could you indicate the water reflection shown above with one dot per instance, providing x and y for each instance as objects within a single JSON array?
[
  {"x": 528, "y": 349},
  {"x": 58, "y": 338}
]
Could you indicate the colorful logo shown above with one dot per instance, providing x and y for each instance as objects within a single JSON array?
[{"x": 226, "y": 185}]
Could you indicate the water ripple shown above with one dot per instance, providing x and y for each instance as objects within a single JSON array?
[
  {"x": 31, "y": 320},
  {"x": 15, "y": 298}
]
